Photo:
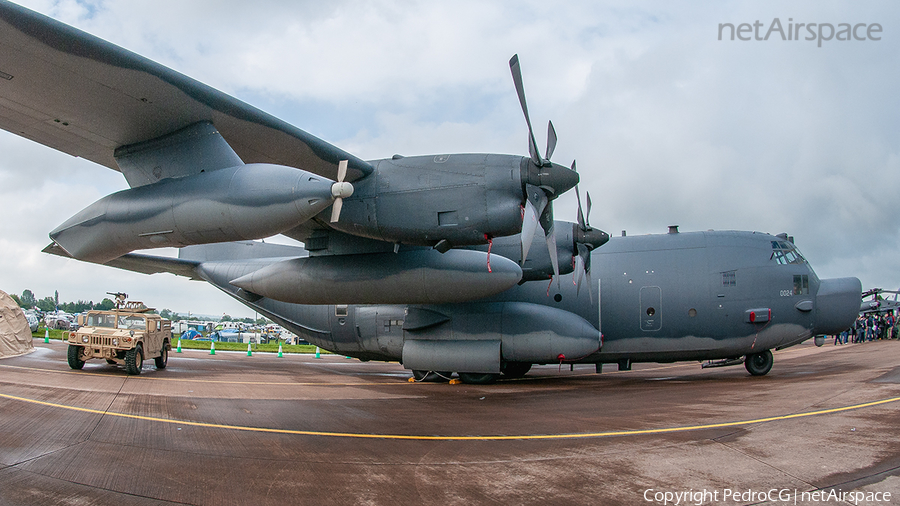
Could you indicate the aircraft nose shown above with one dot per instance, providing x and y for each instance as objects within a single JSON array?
[{"x": 837, "y": 304}]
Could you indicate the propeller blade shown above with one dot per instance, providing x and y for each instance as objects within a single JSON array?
[
  {"x": 535, "y": 203},
  {"x": 336, "y": 209},
  {"x": 587, "y": 215},
  {"x": 342, "y": 171},
  {"x": 579, "y": 269},
  {"x": 587, "y": 275},
  {"x": 551, "y": 140},
  {"x": 550, "y": 236},
  {"x": 339, "y": 191},
  {"x": 529, "y": 225},
  {"x": 580, "y": 219},
  {"x": 520, "y": 90}
]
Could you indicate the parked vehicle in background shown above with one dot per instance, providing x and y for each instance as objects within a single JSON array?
[
  {"x": 126, "y": 336},
  {"x": 33, "y": 322}
]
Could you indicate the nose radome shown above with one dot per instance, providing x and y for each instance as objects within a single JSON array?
[{"x": 837, "y": 304}]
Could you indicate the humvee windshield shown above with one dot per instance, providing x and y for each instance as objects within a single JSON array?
[
  {"x": 101, "y": 320},
  {"x": 109, "y": 321},
  {"x": 132, "y": 322}
]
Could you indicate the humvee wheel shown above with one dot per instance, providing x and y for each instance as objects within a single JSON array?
[
  {"x": 134, "y": 360},
  {"x": 74, "y": 357},
  {"x": 163, "y": 358},
  {"x": 758, "y": 364}
]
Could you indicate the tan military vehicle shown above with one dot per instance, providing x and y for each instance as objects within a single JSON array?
[{"x": 125, "y": 336}]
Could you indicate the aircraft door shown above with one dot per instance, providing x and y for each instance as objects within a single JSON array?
[
  {"x": 343, "y": 329},
  {"x": 379, "y": 329},
  {"x": 389, "y": 329},
  {"x": 365, "y": 326},
  {"x": 651, "y": 308}
]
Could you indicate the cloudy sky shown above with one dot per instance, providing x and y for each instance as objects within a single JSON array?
[{"x": 669, "y": 124}]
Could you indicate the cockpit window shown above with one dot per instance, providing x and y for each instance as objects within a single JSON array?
[{"x": 785, "y": 253}]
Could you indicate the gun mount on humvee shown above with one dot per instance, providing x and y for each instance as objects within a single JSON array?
[{"x": 126, "y": 336}]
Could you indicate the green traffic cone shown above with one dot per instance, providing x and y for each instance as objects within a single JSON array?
[
  {"x": 46, "y": 335},
  {"x": 280, "y": 353},
  {"x": 178, "y": 349},
  {"x": 317, "y": 352},
  {"x": 212, "y": 348},
  {"x": 249, "y": 353}
]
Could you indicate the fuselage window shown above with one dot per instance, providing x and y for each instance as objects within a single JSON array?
[{"x": 801, "y": 284}]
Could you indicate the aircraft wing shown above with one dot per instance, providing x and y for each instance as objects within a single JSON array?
[
  {"x": 77, "y": 93},
  {"x": 144, "y": 264}
]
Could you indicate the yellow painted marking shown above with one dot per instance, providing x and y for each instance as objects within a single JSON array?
[{"x": 459, "y": 438}]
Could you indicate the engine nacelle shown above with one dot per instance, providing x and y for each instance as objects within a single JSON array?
[
  {"x": 239, "y": 203},
  {"x": 424, "y": 200}
]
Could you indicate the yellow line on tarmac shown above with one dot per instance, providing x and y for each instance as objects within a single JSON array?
[{"x": 458, "y": 438}]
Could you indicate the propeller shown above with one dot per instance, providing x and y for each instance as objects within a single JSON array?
[
  {"x": 586, "y": 240},
  {"x": 544, "y": 180},
  {"x": 340, "y": 190}
]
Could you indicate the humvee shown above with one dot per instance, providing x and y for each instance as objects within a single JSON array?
[{"x": 126, "y": 336}]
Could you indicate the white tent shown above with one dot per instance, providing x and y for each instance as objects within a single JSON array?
[{"x": 15, "y": 335}]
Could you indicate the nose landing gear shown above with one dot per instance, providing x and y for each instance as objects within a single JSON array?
[{"x": 758, "y": 364}]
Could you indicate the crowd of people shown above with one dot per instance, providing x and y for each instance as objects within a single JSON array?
[{"x": 869, "y": 327}]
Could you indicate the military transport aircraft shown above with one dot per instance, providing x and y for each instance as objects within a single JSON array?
[
  {"x": 426, "y": 260},
  {"x": 879, "y": 303}
]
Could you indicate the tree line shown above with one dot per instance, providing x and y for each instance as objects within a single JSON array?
[{"x": 49, "y": 304}]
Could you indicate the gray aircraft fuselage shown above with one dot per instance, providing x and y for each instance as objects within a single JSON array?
[{"x": 655, "y": 298}]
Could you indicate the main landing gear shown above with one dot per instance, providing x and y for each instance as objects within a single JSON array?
[{"x": 509, "y": 370}]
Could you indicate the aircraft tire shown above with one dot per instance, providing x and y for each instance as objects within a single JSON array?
[
  {"x": 73, "y": 356},
  {"x": 759, "y": 364},
  {"x": 431, "y": 376},
  {"x": 477, "y": 378},
  {"x": 163, "y": 358},
  {"x": 134, "y": 360},
  {"x": 515, "y": 369}
]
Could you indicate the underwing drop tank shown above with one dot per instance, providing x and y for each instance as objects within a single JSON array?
[{"x": 240, "y": 203}]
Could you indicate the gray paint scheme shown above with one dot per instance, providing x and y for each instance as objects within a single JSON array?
[{"x": 205, "y": 169}]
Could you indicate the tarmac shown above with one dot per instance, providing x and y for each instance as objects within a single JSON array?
[{"x": 262, "y": 430}]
